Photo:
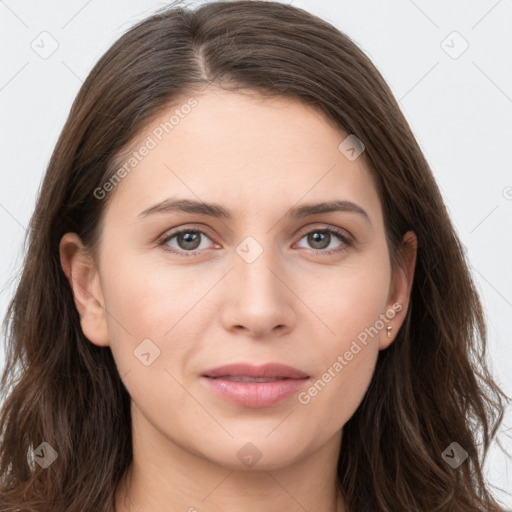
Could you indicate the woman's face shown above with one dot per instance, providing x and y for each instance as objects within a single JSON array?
[{"x": 254, "y": 280}]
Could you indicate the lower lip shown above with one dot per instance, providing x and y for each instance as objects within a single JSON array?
[{"x": 255, "y": 394}]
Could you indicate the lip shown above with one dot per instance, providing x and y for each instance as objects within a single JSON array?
[
  {"x": 288, "y": 381},
  {"x": 269, "y": 371}
]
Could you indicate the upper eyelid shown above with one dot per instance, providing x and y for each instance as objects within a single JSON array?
[
  {"x": 307, "y": 229},
  {"x": 302, "y": 232},
  {"x": 175, "y": 231}
]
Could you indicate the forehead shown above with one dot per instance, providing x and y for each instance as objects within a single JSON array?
[{"x": 247, "y": 152}]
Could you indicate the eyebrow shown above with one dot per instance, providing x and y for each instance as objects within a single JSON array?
[{"x": 218, "y": 211}]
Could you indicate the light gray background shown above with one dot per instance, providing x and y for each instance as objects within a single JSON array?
[{"x": 459, "y": 105}]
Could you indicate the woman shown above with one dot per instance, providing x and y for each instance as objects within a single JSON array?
[{"x": 242, "y": 289}]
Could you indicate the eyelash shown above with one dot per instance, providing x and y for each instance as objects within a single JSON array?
[{"x": 347, "y": 241}]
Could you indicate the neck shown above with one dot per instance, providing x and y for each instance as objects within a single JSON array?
[
  {"x": 169, "y": 474},
  {"x": 174, "y": 479}
]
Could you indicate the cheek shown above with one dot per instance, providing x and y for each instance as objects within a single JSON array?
[
  {"x": 156, "y": 302},
  {"x": 145, "y": 294},
  {"x": 347, "y": 299},
  {"x": 338, "y": 392},
  {"x": 346, "y": 366},
  {"x": 352, "y": 304}
]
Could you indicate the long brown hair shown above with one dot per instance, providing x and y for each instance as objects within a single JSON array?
[{"x": 431, "y": 387}]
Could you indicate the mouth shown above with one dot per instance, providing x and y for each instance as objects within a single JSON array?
[
  {"x": 249, "y": 379},
  {"x": 255, "y": 386},
  {"x": 271, "y": 371}
]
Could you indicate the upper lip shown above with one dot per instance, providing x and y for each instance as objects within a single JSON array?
[{"x": 268, "y": 371}]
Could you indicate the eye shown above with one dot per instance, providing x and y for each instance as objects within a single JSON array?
[
  {"x": 320, "y": 240},
  {"x": 188, "y": 241}
]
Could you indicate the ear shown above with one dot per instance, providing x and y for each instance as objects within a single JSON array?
[
  {"x": 83, "y": 276},
  {"x": 401, "y": 285}
]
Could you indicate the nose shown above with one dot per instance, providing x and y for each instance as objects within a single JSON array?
[{"x": 258, "y": 298}]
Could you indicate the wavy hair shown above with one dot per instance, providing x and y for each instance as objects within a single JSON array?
[{"x": 431, "y": 387}]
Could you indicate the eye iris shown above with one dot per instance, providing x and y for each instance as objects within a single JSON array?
[
  {"x": 190, "y": 240},
  {"x": 314, "y": 237},
  {"x": 189, "y": 237}
]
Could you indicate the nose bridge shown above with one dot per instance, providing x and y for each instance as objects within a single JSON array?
[
  {"x": 256, "y": 263},
  {"x": 259, "y": 299}
]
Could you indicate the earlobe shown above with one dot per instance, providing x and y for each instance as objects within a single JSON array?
[
  {"x": 401, "y": 288},
  {"x": 83, "y": 276}
]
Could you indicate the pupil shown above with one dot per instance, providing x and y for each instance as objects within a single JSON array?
[
  {"x": 316, "y": 238},
  {"x": 188, "y": 238}
]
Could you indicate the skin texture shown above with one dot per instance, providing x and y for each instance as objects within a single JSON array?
[{"x": 258, "y": 158}]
